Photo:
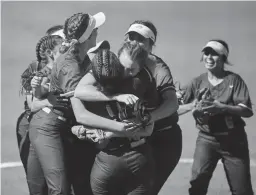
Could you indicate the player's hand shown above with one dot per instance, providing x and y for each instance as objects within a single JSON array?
[
  {"x": 57, "y": 101},
  {"x": 131, "y": 128},
  {"x": 36, "y": 81},
  {"x": 214, "y": 107},
  {"x": 79, "y": 131},
  {"x": 128, "y": 99}
]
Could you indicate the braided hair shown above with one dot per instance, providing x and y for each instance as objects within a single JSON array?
[
  {"x": 74, "y": 27},
  {"x": 135, "y": 51},
  {"x": 46, "y": 42},
  {"x": 107, "y": 71}
]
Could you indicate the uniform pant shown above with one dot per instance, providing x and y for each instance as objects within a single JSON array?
[
  {"x": 121, "y": 172},
  {"x": 23, "y": 138},
  {"x": 166, "y": 147},
  {"x": 81, "y": 155},
  {"x": 47, "y": 153},
  {"x": 233, "y": 150}
]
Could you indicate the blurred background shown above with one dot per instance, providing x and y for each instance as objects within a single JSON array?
[{"x": 183, "y": 29}]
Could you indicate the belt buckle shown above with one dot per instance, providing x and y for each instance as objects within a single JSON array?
[{"x": 137, "y": 143}]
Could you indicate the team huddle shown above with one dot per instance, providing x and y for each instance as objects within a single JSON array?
[{"x": 98, "y": 122}]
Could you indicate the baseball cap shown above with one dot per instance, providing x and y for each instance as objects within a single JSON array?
[
  {"x": 142, "y": 30},
  {"x": 95, "y": 21},
  {"x": 217, "y": 47}
]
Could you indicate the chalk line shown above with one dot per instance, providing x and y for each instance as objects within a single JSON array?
[{"x": 182, "y": 161}]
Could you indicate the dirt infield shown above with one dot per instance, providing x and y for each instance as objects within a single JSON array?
[{"x": 183, "y": 28}]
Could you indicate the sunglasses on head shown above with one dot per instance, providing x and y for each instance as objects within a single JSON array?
[
  {"x": 209, "y": 51},
  {"x": 133, "y": 36}
]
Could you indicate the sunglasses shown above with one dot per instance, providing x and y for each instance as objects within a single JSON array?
[
  {"x": 133, "y": 36},
  {"x": 210, "y": 51}
]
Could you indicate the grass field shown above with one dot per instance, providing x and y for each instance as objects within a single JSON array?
[{"x": 183, "y": 29}]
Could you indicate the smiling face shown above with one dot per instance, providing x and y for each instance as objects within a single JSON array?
[
  {"x": 131, "y": 67},
  {"x": 212, "y": 60},
  {"x": 143, "y": 42}
]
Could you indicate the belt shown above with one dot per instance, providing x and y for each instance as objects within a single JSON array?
[
  {"x": 57, "y": 112},
  {"x": 164, "y": 129},
  {"x": 126, "y": 145}
]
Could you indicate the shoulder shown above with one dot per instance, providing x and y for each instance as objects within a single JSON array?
[
  {"x": 201, "y": 78},
  {"x": 65, "y": 63},
  {"x": 233, "y": 76},
  {"x": 158, "y": 62},
  {"x": 158, "y": 67},
  {"x": 33, "y": 66}
]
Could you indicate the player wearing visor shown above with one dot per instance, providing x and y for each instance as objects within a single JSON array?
[
  {"x": 218, "y": 100},
  {"x": 166, "y": 140},
  {"x": 51, "y": 123}
]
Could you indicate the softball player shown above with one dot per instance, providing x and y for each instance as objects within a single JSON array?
[
  {"x": 224, "y": 100},
  {"x": 166, "y": 140},
  {"x": 121, "y": 168},
  {"x": 80, "y": 31},
  {"x": 46, "y": 49},
  {"x": 24, "y": 118}
]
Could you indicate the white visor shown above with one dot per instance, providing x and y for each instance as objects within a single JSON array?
[
  {"x": 218, "y": 47},
  {"x": 94, "y": 22},
  {"x": 59, "y": 33},
  {"x": 142, "y": 30},
  {"x": 101, "y": 45}
]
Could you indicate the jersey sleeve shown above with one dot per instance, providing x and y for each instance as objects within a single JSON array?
[
  {"x": 69, "y": 76},
  {"x": 189, "y": 92},
  {"x": 164, "y": 79},
  {"x": 241, "y": 93},
  {"x": 27, "y": 76}
]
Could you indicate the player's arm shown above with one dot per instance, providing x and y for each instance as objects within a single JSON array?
[
  {"x": 29, "y": 99},
  {"x": 242, "y": 103},
  {"x": 87, "y": 90},
  {"x": 140, "y": 132},
  {"x": 169, "y": 102},
  {"x": 68, "y": 78},
  {"x": 87, "y": 118},
  {"x": 39, "y": 86},
  {"x": 168, "y": 106},
  {"x": 189, "y": 99},
  {"x": 241, "y": 99}
]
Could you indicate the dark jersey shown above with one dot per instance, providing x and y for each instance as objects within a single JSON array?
[
  {"x": 67, "y": 72},
  {"x": 231, "y": 91},
  {"x": 65, "y": 75},
  {"x": 164, "y": 81},
  {"x": 26, "y": 77},
  {"x": 142, "y": 85}
]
